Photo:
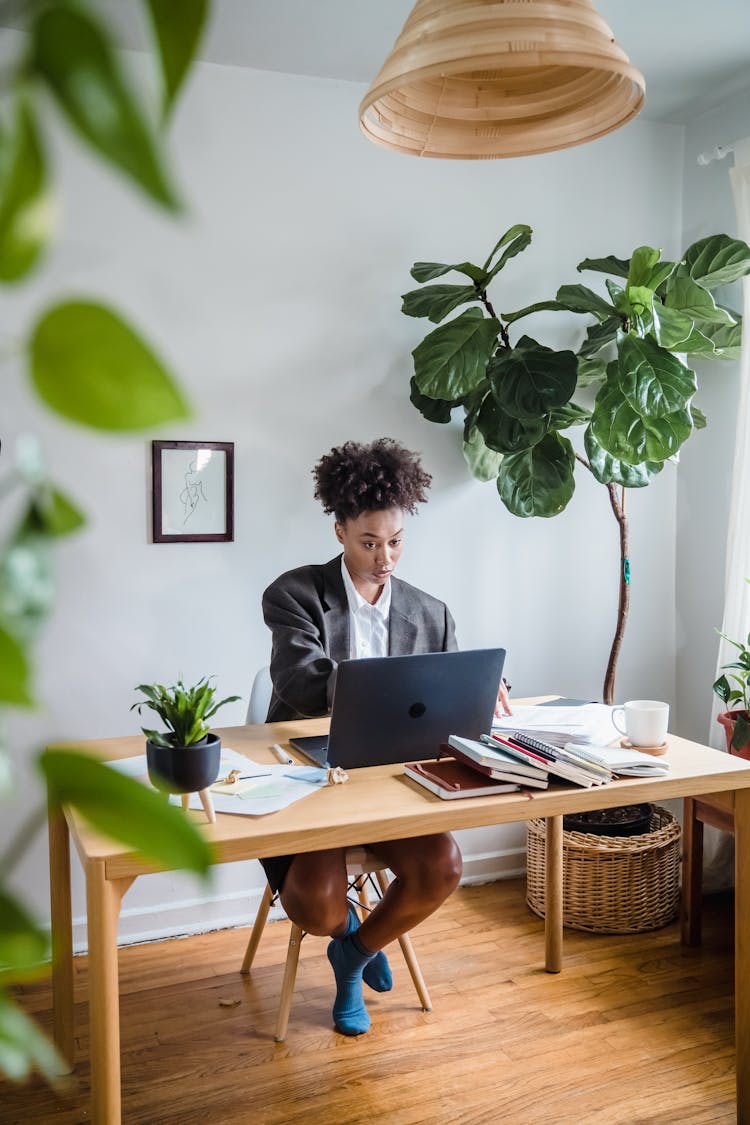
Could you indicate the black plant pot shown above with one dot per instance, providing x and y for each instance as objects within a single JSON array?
[
  {"x": 184, "y": 769},
  {"x": 624, "y": 820}
]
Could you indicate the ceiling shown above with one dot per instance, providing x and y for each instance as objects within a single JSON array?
[{"x": 694, "y": 53}]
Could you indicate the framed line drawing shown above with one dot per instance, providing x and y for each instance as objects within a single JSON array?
[{"x": 192, "y": 491}]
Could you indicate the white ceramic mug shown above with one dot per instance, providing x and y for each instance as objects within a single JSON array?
[{"x": 645, "y": 721}]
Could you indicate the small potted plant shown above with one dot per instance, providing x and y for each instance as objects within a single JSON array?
[
  {"x": 734, "y": 691},
  {"x": 186, "y": 757}
]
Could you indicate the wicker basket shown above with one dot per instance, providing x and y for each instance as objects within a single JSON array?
[{"x": 611, "y": 884}]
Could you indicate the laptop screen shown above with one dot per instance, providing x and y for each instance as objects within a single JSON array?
[{"x": 400, "y": 708}]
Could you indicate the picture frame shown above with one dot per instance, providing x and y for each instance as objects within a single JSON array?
[{"x": 192, "y": 491}]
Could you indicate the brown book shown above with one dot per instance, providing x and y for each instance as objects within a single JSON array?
[{"x": 451, "y": 779}]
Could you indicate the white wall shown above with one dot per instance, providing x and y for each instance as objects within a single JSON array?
[
  {"x": 706, "y": 463},
  {"x": 277, "y": 301}
]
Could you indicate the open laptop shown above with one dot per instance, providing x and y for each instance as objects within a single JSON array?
[{"x": 400, "y": 708}]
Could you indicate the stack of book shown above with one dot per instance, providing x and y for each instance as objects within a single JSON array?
[{"x": 504, "y": 763}]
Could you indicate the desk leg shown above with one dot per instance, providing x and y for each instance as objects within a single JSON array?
[
  {"x": 553, "y": 914},
  {"x": 103, "y": 897},
  {"x": 742, "y": 951},
  {"x": 63, "y": 1021}
]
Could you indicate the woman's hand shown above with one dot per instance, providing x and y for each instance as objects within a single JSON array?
[{"x": 502, "y": 707}]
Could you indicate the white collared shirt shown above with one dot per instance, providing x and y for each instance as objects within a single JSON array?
[{"x": 368, "y": 624}]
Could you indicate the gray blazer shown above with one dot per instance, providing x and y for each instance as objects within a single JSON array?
[{"x": 308, "y": 614}]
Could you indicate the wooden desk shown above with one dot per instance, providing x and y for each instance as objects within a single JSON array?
[{"x": 376, "y": 804}]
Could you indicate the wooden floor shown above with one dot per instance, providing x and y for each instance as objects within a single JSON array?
[{"x": 635, "y": 1029}]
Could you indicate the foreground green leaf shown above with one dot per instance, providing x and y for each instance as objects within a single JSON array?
[
  {"x": 23, "y": 945},
  {"x": 539, "y": 481},
  {"x": 73, "y": 55},
  {"x": 570, "y": 414},
  {"x": 26, "y": 214},
  {"x": 24, "y": 1048},
  {"x": 91, "y": 367},
  {"x": 598, "y": 336},
  {"x": 15, "y": 674},
  {"x": 178, "y": 29},
  {"x": 51, "y": 512},
  {"x": 125, "y": 810},
  {"x": 451, "y": 361},
  {"x": 717, "y": 260}
]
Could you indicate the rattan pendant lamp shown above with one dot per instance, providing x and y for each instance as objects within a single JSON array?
[{"x": 480, "y": 79}]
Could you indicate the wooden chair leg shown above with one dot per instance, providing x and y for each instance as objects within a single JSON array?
[
  {"x": 691, "y": 907},
  {"x": 258, "y": 927},
  {"x": 363, "y": 895},
  {"x": 409, "y": 955},
  {"x": 287, "y": 986}
]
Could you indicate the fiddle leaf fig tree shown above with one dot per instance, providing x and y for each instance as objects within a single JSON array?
[{"x": 629, "y": 384}]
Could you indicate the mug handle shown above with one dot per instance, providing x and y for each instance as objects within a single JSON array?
[{"x": 614, "y": 720}]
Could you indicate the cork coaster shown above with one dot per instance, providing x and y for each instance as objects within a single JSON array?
[{"x": 654, "y": 751}]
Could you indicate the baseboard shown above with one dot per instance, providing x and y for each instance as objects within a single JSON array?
[{"x": 238, "y": 908}]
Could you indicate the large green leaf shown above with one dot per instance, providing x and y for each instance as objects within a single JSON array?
[
  {"x": 51, "y": 512},
  {"x": 433, "y": 409},
  {"x": 26, "y": 213},
  {"x": 530, "y": 379},
  {"x": 428, "y": 271},
  {"x": 517, "y": 239},
  {"x": 23, "y": 945},
  {"x": 608, "y": 470},
  {"x": 436, "y": 301},
  {"x": 178, "y": 29},
  {"x": 725, "y": 339},
  {"x": 90, "y": 366},
  {"x": 717, "y": 260},
  {"x": 24, "y": 1048},
  {"x": 686, "y": 295},
  {"x": 72, "y": 54},
  {"x": 506, "y": 434},
  {"x": 510, "y": 236},
  {"x": 570, "y": 298},
  {"x": 653, "y": 381},
  {"x": 125, "y": 810},
  {"x": 452, "y": 361},
  {"x": 15, "y": 674},
  {"x": 581, "y": 299},
  {"x": 699, "y": 418},
  {"x": 570, "y": 414},
  {"x": 484, "y": 463},
  {"x": 642, "y": 262},
  {"x": 620, "y": 267},
  {"x": 598, "y": 336},
  {"x": 539, "y": 481},
  {"x": 628, "y": 436},
  {"x": 590, "y": 371},
  {"x": 672, "y": 328}
]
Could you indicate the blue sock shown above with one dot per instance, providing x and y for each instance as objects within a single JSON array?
[
  {"x": 377, "y": 973},
  {"x": 348, "y": 960}
]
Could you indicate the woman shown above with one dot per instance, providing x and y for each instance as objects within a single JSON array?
[{"x": 353, "y": 607}]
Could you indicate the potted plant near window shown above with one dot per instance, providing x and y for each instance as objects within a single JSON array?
[
  {"x": 185, "y": 759},
  {"x": 734, "y": 691}
]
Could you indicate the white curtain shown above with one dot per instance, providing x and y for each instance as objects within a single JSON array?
[{"x": 736, "y": 621}]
